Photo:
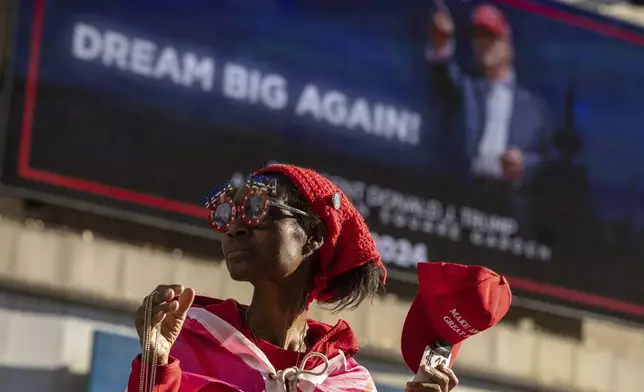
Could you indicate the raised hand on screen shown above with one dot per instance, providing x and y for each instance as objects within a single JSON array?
[
  {"x": 170, "y": 308},
  {"x": 441, "y": 25}
]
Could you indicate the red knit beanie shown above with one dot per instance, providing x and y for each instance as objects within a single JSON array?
[{"x": 347, "y": 241}]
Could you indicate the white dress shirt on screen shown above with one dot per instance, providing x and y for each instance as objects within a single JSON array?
[
  {"x": 498, "y": 105},
  {"x": 494, "y": 141}
]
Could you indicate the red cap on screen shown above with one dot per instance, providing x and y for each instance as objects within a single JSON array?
[
  {"x": 454, "y": 302},
  {"x": 491, "y": 18}
]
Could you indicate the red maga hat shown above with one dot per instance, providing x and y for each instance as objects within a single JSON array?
[
  {"x": 492, "y": 19},
  {"x": 454, "y": 302}
]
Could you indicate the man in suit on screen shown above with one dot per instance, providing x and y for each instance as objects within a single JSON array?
[{"x": 498, "y": 133}]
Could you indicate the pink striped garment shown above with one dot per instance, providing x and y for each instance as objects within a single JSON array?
[{"x": 213, "y": 355}]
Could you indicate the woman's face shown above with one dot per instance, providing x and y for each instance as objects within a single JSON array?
[{"x": 271, "y": 251}]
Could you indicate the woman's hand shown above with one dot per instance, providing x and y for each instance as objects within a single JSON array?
[
  {"x": 442, "y": 379},
  {"x": 170, "y": 312}
]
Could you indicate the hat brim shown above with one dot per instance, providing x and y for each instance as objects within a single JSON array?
[
  {"x": 491, "y": 28},
  {"x": 418, "y": 333}
]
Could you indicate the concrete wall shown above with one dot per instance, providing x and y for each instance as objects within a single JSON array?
[{"x": 610, "y": 358}]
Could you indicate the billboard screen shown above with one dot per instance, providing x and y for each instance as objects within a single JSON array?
[{"x": 483, "y": 133}]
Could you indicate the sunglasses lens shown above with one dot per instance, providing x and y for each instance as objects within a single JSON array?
[
  {"x": 222, "y": 215},
  {"x": 254, "y": 208}
]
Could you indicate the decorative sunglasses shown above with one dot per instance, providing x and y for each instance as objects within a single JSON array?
[{"x": 260, "y": 191}]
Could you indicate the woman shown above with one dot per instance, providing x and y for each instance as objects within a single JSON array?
[{"x": 296, "y": 238}]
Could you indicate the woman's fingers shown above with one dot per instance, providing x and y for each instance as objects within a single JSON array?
[
  {"x": 441, "y": 379},
  {"x": 453, "y": 380},
  {"x": 173, "y": 299},
  {"x": 184, "y": 303},
  {"x": 167, "y": 299},
  {"x": 436, "y": 377},
  {"x": 163, "y": 302},
  {"x": 413, "y": 386},
  {"x": 158, "y": 313},
  {"x": 166, "y": 292}
]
